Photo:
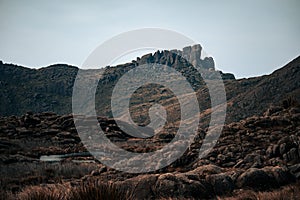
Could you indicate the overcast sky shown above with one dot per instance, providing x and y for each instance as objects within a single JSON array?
[{"x": 247, "y": 38}]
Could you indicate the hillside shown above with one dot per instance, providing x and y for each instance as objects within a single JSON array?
[
  {"x": 258, "y": 150},
  {"x": 50, "y": 88},
  {"x": 259, "y": 153}
]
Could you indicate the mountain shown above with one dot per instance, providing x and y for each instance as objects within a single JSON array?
[
  {"x": 248, "y": 97},
  {"x": 43, "y": 154},
  {"x": 50, "y": 88},
  {"x": 45, "y": 89}
]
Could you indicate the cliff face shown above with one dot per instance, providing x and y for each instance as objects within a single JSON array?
[{"x": 192, "y": 54}]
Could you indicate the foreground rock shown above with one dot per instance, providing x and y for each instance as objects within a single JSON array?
[{"x": 258, "y": 153}]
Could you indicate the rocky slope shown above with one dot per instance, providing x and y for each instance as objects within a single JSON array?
[
  {"x": 247, "y": 97},
  {"x": 50, "y": 88},
  {"x": 46, "y": 89},
  {"x": 259, "y": 148},
  {"x": 258, "y": 153}
]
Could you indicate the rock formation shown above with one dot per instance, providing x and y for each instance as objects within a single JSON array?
[
  {"x": 259, "y": 148},
  {"x": 258, "y": 153},
  {"x": 50, "y": 88}
]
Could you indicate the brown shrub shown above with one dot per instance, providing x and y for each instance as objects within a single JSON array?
[
  {"x": 86, "y": 191},
  {"x": 97, "y": 191},
  {"x": 290, "y": 101},
  {"x": 58, "y": 192},
  {"x": 4, "y": 195},
  {"x": 291, "y": 192}
]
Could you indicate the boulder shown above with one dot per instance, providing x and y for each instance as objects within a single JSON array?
[
  {"x": 256, "y": 179},
  {"x": 170, "y": 186},
  {"x": 221, "y": 183},
  {"x": 281, "y": 175}
]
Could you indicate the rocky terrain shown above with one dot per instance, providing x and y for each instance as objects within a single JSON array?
[
  {"x": 258, "y": 150},
  {"x": 50, "y": 88},
  {"x": 258, "y": 153}
]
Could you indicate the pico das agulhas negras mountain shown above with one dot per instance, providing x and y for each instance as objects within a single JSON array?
[
  {"x": 50, "y": 88},
  {"x": 257, "y": 155}
]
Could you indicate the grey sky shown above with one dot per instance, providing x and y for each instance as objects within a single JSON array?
[{"x": 247, "y": 38}]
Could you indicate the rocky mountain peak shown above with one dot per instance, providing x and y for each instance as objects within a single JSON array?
[{"x": 191, "y": 54}]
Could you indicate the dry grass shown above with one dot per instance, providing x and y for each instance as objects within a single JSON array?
[
  {"x": 290, "y": 101},
  {"x": 39, "y": 173},
  {"x": 95, "y": 190},
  {"x": 43, "y": 193},
  {"x": 291, "y": 192},
  {"x": 5, "y": 195}
]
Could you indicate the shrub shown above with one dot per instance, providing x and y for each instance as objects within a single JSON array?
[
  {"x": 97, "y": 191},
  {"x": 43, "y": 193},
  {"x": 289, "y": 102},
  {"x": 291, "y": 192},
  {"x": 86, "y": 191},
  {"x": 4, "y": 195}
]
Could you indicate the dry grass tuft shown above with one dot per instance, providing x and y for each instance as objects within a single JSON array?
[
  {"x": 291, "y": 192},
  {"x": 97, "y": 190},
  {"x": 86, "y": 191},
  {"x": 58, "y": 192}
]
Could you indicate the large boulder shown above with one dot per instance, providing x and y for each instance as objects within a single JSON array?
[
  {"x": 143, "y": 186},
  {"x": 170, "y": 186},
  {"x": 256, "y": 179},
  {"x": 221, "y": 183}
]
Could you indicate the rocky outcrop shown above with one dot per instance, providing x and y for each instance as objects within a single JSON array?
[
  {"x": 193, "y": 55},
  {"x": 50, "y": 88},
  {"x": 258, "y": 153},
  {"x": 259, "y": 148}
]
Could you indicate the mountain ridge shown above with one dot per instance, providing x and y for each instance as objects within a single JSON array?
[{"x": 50, "y": 88}]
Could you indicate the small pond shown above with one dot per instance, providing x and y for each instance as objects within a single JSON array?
[{"x": 75, "y": 157}]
